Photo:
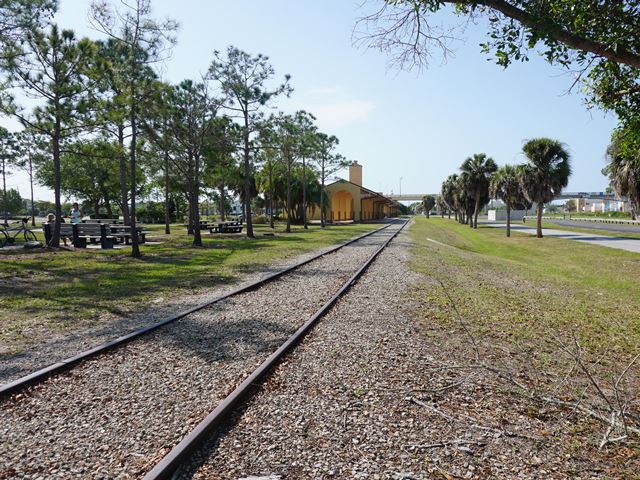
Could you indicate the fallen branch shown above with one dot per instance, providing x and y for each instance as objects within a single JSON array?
[
  {"x": 474, "y": 424},
  {"x": 448, "y": 443}
]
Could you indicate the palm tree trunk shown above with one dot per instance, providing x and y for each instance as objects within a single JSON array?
[
  {"x": 539, "y": 220},
  {"x": 508, "y": 220},
  {"x": 476, "y": 210}
]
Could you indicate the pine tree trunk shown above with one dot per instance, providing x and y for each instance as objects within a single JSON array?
[
  {"x": 271, "y": 197},
  {"x": 33, "y": 207},
  {"x": 4, "y": 191},
  {"x": 222, "y": 202},
  {"x": 108, "y": 207},
  {"x": 322, "y": 211},
  {"x": 122, "y": 165},
  {"x": 57, "y": 181},
  {"x": 247, "y": 173},
  {"x": 167, "y": 213},
  {"x": 304, "y": 192},
  {"x": 135, "y": 247},
  {"x": 288, "y": 229},
  {"x": 195, "y": 198}
]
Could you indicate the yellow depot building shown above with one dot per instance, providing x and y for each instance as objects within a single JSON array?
[{"x": 349, "y": 201}]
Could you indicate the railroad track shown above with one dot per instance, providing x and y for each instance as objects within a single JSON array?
[
  {"x": 172, "y": 375},
  {"x": 68, "y": 363}
]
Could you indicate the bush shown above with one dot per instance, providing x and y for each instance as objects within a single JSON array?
[
  {"x": 259, "y": 219},
  {"x": 626, "y": 215},
  {"x": 151, "y": 212}
]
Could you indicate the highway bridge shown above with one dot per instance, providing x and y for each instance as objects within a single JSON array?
[{"x": 417, "y": 197}]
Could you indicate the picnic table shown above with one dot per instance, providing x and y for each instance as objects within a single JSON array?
[
  {"x": 225, "y": 227},
  {"x": 232, "y": 226},
  {"x": 87, "y": 232}
]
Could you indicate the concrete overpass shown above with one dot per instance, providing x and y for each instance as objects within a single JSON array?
[
  {"x": 417, "y": 197},
  {"x": 409, "y": 197}
]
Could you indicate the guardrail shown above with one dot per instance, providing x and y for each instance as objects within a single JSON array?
[{"x": 618, "y": 221}]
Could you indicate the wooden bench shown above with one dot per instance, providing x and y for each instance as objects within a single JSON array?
[
  {"x": 81, "y": 233},
  {"x": 123, "y": 233},
  {"x": 103, "y": 233},
  {"x": 110, "y": 221},
  {"x": 204, "y": 225},
  {"x": 219, "y": 227}
]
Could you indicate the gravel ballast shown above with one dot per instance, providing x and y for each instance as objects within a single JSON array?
[
  {"x": 368, "y": 395},
  {"x": 116, "y": 415},
  {"x": 61, "y": 345}
]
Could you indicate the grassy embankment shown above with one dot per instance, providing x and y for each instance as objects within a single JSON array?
[
  {"x": 42, "y": 290},
  {"x": 525, "y": 302},
  {"x": 521, "y": 286}
]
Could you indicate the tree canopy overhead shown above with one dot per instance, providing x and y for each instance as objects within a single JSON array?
[{"x": 598, "y": 41}]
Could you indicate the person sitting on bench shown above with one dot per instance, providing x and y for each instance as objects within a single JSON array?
[{"x": 51, "y": 218}]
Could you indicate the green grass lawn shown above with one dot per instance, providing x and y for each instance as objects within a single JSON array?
[
  {"x": 43, "y": 290},
  {"x": 544, "y": 283},
  {"x": 524, "y": 300}
]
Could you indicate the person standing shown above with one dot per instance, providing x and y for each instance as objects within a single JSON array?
[{"x": 75, "y": 214}]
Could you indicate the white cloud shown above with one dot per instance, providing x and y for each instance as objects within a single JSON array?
[{"x": 340, "y": 114}]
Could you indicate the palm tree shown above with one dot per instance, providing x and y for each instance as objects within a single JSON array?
[
  {"x": 545, "y": 174},
  {"x": 447, "y": 193},
  {"x": 624, "y": 173},
  {"x": 464, "y": 198},
  {"x": 442, "y": 206},
  {"x": 504, "y": 185},
  {"x": 478, "y": 168},
  {"x": 428, "y": 202}
]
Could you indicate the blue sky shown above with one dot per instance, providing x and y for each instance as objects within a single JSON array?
[{"x": 419, "y": 126}]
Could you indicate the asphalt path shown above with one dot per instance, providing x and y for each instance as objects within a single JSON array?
[
  {"x": 621, "y": 243},
  {"x": 609, "y": 227}
]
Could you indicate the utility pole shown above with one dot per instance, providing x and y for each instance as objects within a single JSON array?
[{"x": 400, "y": 186}]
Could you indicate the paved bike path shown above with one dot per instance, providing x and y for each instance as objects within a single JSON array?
[{"x": 621, "y": 243}]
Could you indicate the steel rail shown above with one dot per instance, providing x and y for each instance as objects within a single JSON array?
[
  {"x": 167, "y": 467},
  {"x": 68, "y": 363}
]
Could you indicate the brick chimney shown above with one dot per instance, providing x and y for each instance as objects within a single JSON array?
[{"x": 355, "y": 173}]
